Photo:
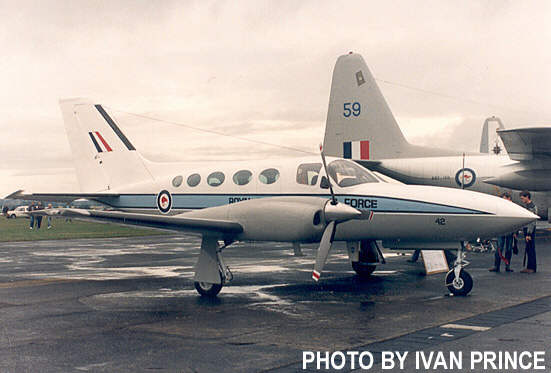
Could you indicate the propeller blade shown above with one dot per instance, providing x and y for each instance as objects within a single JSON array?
[
  {"x": 333, "y": 199},
  {"x": 323, "y": 250}
]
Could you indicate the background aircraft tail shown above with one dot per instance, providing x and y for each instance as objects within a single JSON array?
[
  {"x": 104, "y": 158},
  {"x": 360, "y": 125},
  {"x": 488, "y": 144}
]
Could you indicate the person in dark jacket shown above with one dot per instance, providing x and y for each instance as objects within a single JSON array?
[
  {"x": 32, "y": 207},
  {"x": 529, "y": 234},
  {"x": 504, "y": 250},
  {"x": 39, "y": 217}
]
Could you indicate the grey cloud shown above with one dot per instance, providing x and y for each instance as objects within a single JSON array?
[{"x": 258, "y": 69}]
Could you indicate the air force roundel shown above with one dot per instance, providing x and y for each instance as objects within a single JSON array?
[
  {"x": 465, "y": 175},
  {"x": 164, "y": 202}
]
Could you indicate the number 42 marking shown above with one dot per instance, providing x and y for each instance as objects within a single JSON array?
[{"x": 352, "y": 108}]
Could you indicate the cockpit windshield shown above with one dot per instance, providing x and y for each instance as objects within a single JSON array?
[{"x": 348, "y": 173}]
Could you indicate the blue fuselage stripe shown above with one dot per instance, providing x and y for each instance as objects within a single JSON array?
[{"x": 199, "y": 201}]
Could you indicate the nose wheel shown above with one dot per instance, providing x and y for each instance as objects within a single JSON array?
[
  {"x": 458, "y": 280},
  {"x": 459, "y": 285}
]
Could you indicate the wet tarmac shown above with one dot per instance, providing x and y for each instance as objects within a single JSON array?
[{"x": 129, "y": 305}]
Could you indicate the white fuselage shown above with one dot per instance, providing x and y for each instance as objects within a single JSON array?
[
  {"x": 446, "y": 172},
  {"x": 392, "y": 211}
]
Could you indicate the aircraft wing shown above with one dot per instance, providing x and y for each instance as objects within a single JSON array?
[
  {"x": 60, "y": 197},
  {"x": 527, "y": 144},
  {"x": 178, "y": 223}
]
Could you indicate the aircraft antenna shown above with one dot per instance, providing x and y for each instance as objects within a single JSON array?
[
  {"x": 211, "y": 131},
  {"x": 463, "y": 174}
]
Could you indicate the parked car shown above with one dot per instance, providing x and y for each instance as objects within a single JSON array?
[{"x": 18, "y": 212}]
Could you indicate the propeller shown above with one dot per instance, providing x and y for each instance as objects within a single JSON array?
[{"x": 334, "y": 213}]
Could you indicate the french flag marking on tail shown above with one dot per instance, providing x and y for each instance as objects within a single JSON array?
[
  {"x": 355, "y": 149},
  {"x": 99, "y": 142}
]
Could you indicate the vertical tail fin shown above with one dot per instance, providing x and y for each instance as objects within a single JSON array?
[
  {"x": 360, "y": 124},
  {"x": 485, "y": 138},
  {"x": 104, "y": 158}
]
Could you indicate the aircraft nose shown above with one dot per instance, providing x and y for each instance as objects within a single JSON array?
[{"x": 518, "y": 213}]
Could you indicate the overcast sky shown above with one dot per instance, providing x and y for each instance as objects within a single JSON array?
[{"x": 259, "y": 70}]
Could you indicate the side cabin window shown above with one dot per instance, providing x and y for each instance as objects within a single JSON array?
[
  {"x": 269, "y": 176},
  {"x": 308, "y": 173},
  {"x": 177, "y": 181},
  {"x": 348, "y": 173},
  {"x": 216, "y": 178},
  {"x": 193, "y": 180},
  {"x": 242, "y": 177}
]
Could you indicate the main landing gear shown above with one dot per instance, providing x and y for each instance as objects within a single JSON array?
[
  {"x": 364, "y": 256},
  {"x": 458, "y": 280},
  {"x": 211, "y": 273}
]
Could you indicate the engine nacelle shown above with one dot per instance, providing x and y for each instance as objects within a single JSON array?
[{"x": 298, "y": 219}]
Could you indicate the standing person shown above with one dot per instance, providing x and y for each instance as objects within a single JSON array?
[
  {"x": 67, "y": 219},
  {"x": 504, "y": 247},
  {"x": 529, "y": 234},
  {"x": 49, "y": 217},
  {"x": 415, "y": 256},
  {"x": 39, "y": 217},
  {"x": 31, "y": 217}
]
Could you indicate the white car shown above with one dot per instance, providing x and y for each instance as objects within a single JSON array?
[{"x": 18, "y": 212}]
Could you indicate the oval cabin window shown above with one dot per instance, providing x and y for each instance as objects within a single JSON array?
[
  {"x": 242, "y": 177},
  {"x": 193, "y": 180},
  {"x": 269, "y": 176},
  {"x": 216, "y": 178},
  {"x": 177, "y": 181}
]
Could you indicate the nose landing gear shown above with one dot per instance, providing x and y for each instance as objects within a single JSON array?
[{"x": 458, "y": 280}]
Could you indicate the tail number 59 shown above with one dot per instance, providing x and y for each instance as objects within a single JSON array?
[{"x": 352, "y": 108}]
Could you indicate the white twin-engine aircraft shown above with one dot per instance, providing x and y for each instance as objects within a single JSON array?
[{"x": 288, "y": 200}]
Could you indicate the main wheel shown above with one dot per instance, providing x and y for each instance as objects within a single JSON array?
[
  {"x": 459, "y": 286},
  {"x": 362, "y": 269},
  {"x": 368, "y": 255},
  {"x": 206, "y": 289}
]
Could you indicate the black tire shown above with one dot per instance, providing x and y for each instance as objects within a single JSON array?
[
  {"x": 207, "y": 289},
  {"x": 12, "y": 216},
  {"x": 368, "y": 254},
  {"x": 462, "y": 286},
  {"x": 363, "y": 270}
]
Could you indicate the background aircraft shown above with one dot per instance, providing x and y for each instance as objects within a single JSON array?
[
  {"x": 361, "y": 126},
  {"x": 290, "y": 200}
]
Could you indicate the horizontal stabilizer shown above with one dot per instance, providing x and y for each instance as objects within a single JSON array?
[
  {"x": 525, "y": 144},
  {"x": 61, "y": 197}
]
